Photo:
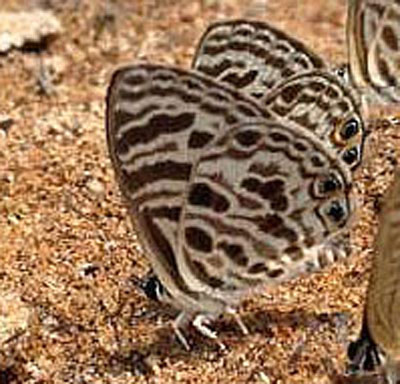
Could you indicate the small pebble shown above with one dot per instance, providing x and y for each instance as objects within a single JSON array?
[{"x": 96, "y": 187}]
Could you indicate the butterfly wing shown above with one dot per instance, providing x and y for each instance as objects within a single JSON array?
[
  {"x": 373, "y": 34},
  {"x": 290, "y": 80},
  {"x": 319, "y": 102},
  {"x": 383, "y": 298},
  {"x": 252, "y": 56},
  {"x": 261, "y": 201},
  {"x": 158, "y": 122},
  {"x": 379, "y": 341}
]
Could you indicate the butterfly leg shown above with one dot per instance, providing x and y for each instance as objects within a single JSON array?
[
  {"x": 177, "y": 324},
  {"x": 238, "y": 320},
  {"x": 201, "y": 323}
]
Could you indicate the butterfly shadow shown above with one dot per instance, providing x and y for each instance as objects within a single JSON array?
[{"x": 143, "y": 357}]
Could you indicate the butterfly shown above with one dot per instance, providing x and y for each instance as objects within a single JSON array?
[
  {"x": 252, "y": 56},
  {"x": 229, "y": 193},
  {"x": 379, "y": 341},
  {"x": 373, "y": 36},
  {"x": 277, "y": 69}
]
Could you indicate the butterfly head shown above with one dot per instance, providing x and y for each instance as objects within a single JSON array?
[{"x": 152, "y": 287}]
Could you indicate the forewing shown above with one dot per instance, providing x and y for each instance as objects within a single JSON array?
[
  {"x": 373, "y": 34},
  {"x": 261, "y": 200},
  {"x": 158, "y": 121},
  {"x": 252, "y": 56}
]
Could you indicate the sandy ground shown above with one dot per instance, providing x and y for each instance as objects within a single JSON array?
[{"x": 69, "y": 312}]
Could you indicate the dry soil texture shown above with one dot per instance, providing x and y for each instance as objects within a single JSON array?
[{"x": 69, "y": 311}]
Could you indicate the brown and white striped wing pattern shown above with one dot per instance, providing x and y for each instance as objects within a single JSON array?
[
  {"x": 262, "y": 199},
  {"x": 161, "y": 121},
  {"x": 252, "y": 56},
  {"x": 158, "y": 122},
  {"x": 373, "y": 33},
  {"x": 291, "y": 81},
  {"x": 383, "y": 300},
  {"x": 317, "y": 101}
]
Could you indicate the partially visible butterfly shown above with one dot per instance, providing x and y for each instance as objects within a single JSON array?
[
  {"x": 228, "y": 193},
  {"x": 381, "y": 327},
  {"x": 287, "y": 77},
  {"x": 252, "y": 56},
  {"x": 364, "y": 354},
  {"x": 373, "y": 35}
]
